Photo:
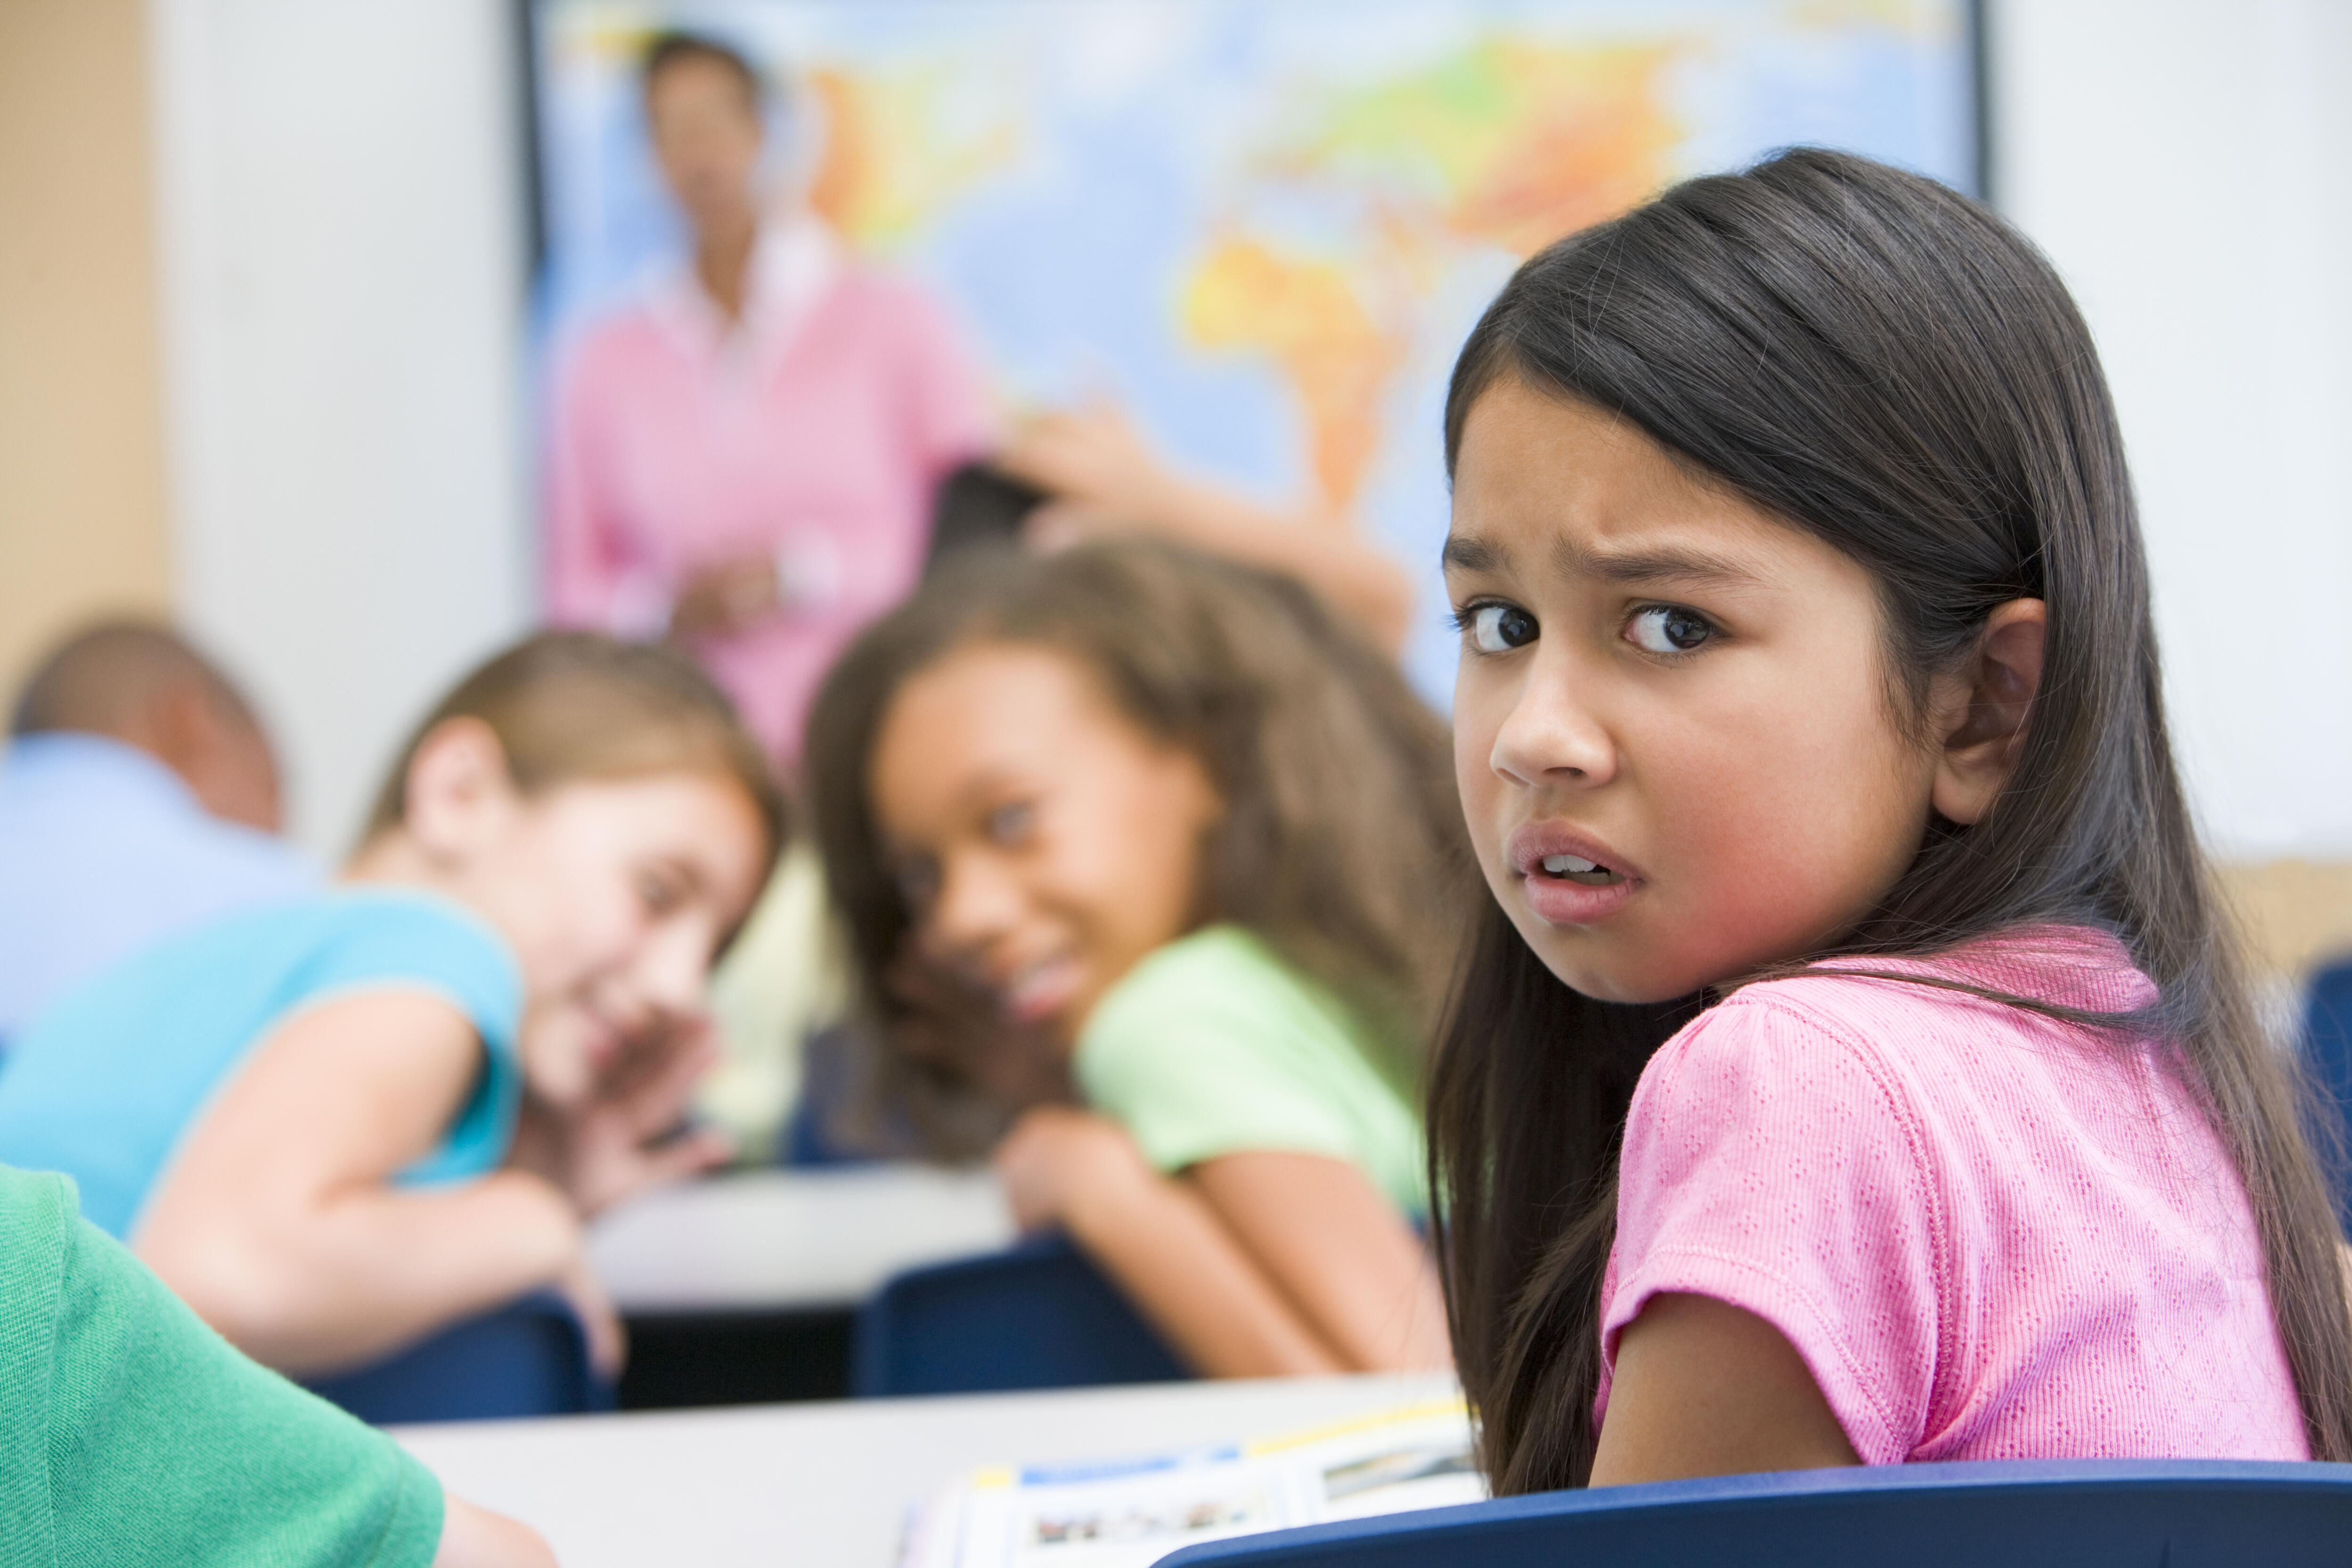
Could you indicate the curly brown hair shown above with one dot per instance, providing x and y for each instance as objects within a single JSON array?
[{"x": 1339, "y": 843}]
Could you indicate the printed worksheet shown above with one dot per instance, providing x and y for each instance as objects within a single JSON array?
[{"x": 1130, "y": 1513}]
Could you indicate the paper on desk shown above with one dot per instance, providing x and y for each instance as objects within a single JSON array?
[{"x": 1130, "y": 1513}]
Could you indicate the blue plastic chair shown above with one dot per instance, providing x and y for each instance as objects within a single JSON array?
[
  {"x": 1038, "y": 1315},
  {"x": 2328, "y": 1053},
  {"x": 527, "y": 1358},
  {"x": 2051, "y": 1514}
]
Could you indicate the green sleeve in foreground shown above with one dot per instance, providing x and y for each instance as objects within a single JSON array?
[{"x": 167, "y": 1445}]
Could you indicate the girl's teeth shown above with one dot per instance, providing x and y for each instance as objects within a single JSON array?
[{"x": 1562, "y": 865}]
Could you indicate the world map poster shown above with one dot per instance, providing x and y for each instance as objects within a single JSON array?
[{"x": 1260, "y": 226}]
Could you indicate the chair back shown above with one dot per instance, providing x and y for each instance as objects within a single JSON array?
[
  {"x": 2163, "y": 1513},
  {"x": 1037, "y": 1315},
  {"x": 527, "y": 1358},
  {"x": 2327, "y": 1053}
]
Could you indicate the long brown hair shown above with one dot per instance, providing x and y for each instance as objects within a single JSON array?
[
  {"x": 1880, "y": 361},
  {"x": 1338, "y": 841},
  {"x": 572, "y": 706}
]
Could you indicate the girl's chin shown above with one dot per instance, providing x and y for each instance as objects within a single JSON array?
[{"x": 1577, "y": 962}]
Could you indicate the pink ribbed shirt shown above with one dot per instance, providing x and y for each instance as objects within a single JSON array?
[
  {"x": 1988, "y": 1234},
  {"x": 814, "y": 431}
]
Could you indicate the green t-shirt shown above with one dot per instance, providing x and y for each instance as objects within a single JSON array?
[
  {"x": 1213, "y": 1046},
  {"x": 135, "y": 1435}
]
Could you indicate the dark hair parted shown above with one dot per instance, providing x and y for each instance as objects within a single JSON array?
[
  {"x": 569, "y": 707},
  {"x": 671, "y": 47},
  {"x": 1876, "y": 360},
  {"x": 1339, "y": 840}
]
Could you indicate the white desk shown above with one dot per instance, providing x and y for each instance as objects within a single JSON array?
[
  {"x": 792, "y": 1239},
  {"x": 829, "y": 1486}
]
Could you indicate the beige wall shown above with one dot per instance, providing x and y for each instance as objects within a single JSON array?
[{"x": 81, "y": 444}]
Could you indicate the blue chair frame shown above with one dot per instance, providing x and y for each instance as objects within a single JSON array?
[
  {"x": 2043, "y": 1514},
  {"x": 1037, "y": 1315},
  {"x": 527, "y": 1358},
  {"x": 2327, "y": 1058}
]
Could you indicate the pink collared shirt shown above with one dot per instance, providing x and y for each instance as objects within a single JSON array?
[
  {"x": 1988, "y": 1234},
  {"x": 814, "y": 430}
]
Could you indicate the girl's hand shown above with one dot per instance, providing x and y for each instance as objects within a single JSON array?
[
  {"x": 1093, "y": 461},
  {"x": 476, "y": 1538},
  {"x": 600, "y": 1321},
  {"x": 727, "y": 598},
  {"x": 622, "y": 1137},
  {"x": 1057, "y": 1161}
]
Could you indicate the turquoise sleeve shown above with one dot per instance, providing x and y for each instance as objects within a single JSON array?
[{"x": 161, "y": 1443}]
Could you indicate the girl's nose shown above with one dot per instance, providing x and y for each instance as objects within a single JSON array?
[
  {"x": 977, "y": 902},
  {"x": 1551, "y": 734},
  {"x": 675, "y": 967}
]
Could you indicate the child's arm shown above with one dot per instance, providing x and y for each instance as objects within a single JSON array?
[
  {"x": 1160, "y": 1240},
  {"x": 1255, "y": 1264},
  {"x": 277, "y": 1220},
  {"x": 1705, "y": 1388},
  {"x": 1338, "y": 1251},
  {"x": 1106, "y": 480},
  {"x": 477, "y": 1538}
]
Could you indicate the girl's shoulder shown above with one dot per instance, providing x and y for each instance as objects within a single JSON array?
[
  {"x": 1967, "y": 993},
  {"x": 1222, "y": 965},
  {"x": 1220, "y": 992},
  {"x": 1891, "y": 1042}
]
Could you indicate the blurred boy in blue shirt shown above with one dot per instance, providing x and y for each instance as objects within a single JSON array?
[{"x": 138, "y": 798}]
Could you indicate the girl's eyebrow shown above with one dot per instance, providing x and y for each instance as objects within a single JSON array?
[
  {"x": 1665, "y": 564},
  {"x": 1471, "y": 555}
]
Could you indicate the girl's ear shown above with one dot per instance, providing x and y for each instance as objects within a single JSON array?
[
  {"x": 459, "y": 793},
  {"x": 1983, "y": 708}
]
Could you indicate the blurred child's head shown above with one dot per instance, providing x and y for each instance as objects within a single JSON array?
[
  {"x": 1042, "y": 768},
  {"x": 599, "y": 805},
  {"x": 147, "y": 685}
]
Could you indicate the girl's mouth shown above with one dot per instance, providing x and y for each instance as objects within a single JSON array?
[
  {"x": 1039, "y": 990},
  {"x": 1575, "y": 868}
]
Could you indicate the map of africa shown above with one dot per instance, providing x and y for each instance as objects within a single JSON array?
[{"x": 1263, "y": 228}]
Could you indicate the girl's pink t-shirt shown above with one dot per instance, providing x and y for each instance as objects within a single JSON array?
[{"x": 1989, "y": 1235}]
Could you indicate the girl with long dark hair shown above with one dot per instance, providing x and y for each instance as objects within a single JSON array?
[{"x": 1854, "y": 1063}]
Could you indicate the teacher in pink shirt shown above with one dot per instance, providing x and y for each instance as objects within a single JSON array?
[{"x": 743, "y": 458}]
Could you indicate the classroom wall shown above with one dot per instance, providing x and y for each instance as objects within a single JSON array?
[
  {"x": 349, "y": 483},
  {"x": 343, "y": 275},
  {"x": 2188, "y": 165},
  {"x": 81, "y": 455}
]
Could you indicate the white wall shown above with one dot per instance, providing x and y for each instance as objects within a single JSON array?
[
  {"x": 342, "y": 277},
  {"x": 2188, "y": 166},
  {"x": 341, "y": 227}
]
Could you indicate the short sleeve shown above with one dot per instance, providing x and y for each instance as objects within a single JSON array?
[
  {"x": 1202, "y": 1051},
  {"x": 1771, "y": 1164},
  {"x": 141, "y": 1436},
  {"x": 427, "y": 943}
]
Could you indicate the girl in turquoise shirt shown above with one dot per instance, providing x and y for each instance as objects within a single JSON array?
[
  {"x": 335, "y": 1125},
  {"x": 1134, "y": 827}
]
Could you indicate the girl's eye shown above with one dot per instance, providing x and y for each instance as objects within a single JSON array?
[
  {"x": 1669, "y": 628},
  {"x": 658, "y": 895},
  {"x": 1499, "y": 628},
  {"x": 1010, "y": 824}
]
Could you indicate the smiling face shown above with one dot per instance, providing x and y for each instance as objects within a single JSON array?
[
  {"x": 1671, "y": 725},
  {"x": 615, "y": 895},
  {"x": 1043, "y": 843}
]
